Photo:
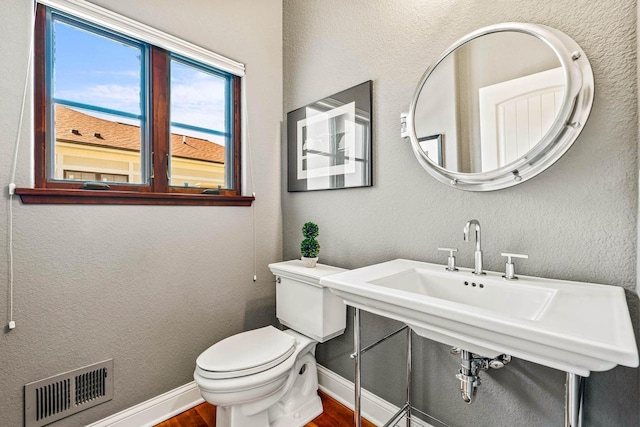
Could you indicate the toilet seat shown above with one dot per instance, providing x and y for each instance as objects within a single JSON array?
[{"x": 246, "y": 353}]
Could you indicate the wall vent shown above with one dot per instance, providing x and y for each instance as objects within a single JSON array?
[{"x": 57, "y": 397}]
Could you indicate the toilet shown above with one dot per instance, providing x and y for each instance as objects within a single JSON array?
[{"x": 267, "y": 377}]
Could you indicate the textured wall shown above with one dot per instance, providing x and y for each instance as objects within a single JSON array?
[
  {"x": 151, "y": 286},
  {"x": 576, "y": 221}
]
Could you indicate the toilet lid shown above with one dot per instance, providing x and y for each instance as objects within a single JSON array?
[{"x": 246, "y": 353}]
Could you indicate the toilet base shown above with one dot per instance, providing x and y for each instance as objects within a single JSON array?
[
  {"x": 301, "y": 402},
  {"x": 235, "y": 416},
  {"x": 303, "y": 414}
]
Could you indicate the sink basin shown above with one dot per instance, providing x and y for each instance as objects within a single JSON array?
[
  {"x": 573, "y": 326},
  {"x": 486, "y": 293}
]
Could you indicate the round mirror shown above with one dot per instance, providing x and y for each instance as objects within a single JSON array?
[{"x": 500, "y": 106}]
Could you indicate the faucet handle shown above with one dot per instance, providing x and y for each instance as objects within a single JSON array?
[
  {"x": 451, "y": 261},
  {"x": 510, "y": 268}
]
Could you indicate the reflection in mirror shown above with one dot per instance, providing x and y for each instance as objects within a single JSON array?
[
  {"x": 489, "y": 102},
  {"x": 432, "y": 147}
]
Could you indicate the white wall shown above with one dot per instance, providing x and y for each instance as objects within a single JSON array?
[{"x": 149, "y": 286}]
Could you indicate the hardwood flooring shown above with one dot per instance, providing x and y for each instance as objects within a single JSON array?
[{"x": 204, "y": 415}]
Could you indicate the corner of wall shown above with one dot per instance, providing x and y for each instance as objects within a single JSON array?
[{"x": 638, "y": 165}]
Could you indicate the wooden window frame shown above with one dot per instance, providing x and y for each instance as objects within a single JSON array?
[{"x": 157, "y": 191}]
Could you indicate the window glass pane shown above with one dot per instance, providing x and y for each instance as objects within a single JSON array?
[
  {"x": 198, "y": 97},
  {"x": 96, "y": 147},
  {"x": 92, "y": 69},
  {"x": 98, "y": 111},
  {"x": 200, "y": 137},
  {"x": 197, "y": 160}
]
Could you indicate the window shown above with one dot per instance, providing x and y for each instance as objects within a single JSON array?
[
  {"x": 151, "y": 125},
  {"x": 95, "y": 85},
  {"x": 200, "y": 126}
]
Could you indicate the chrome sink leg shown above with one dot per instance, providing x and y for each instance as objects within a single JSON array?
[
  {"x": 408, "y": 377},
  {"x": 574, "y": 394},
  {"x": 357, "y": 420}
]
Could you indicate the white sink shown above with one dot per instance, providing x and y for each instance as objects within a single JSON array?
[
  {"x": 572, "y": 326},
  {"x": 526, "y": 302}
]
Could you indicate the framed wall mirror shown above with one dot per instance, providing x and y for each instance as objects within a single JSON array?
[{"x": 505, "y": 102}]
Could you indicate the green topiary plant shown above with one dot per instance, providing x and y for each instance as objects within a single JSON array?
[{"x": 310, "y": 247}]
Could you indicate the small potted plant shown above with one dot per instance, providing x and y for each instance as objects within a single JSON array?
[{"x": 309, "y": 246}]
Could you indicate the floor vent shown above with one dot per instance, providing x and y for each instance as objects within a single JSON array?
[{"x": 56, "y": 397}]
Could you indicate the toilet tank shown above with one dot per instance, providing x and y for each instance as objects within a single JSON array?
[{"x": 305, "y": 306}]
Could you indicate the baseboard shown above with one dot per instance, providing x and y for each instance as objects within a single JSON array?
[
  {"x": 155, "y": 410},
  {"x": 174, "y": 402},
  {"x": 374, "y": 409}
]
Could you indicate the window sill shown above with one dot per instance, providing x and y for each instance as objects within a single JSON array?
[{"x": 109, "y": 197}]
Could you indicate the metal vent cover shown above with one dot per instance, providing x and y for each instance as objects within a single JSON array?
[{"x": 57, "y": 397}]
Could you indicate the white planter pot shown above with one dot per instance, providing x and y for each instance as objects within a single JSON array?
[{"x": 309, "y": 262}]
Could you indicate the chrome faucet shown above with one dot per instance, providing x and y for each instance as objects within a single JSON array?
[{"x": 478, "y": 252}]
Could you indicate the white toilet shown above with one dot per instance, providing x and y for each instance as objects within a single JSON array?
[{"x": 266, "y": 377}]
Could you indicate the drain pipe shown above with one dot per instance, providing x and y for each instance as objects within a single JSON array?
[
  {"x": 469, "y": 381},
  {"x": 470, "y": 364}
]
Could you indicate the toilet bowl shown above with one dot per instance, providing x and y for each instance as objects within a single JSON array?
[{"x": 267, "y": 377}]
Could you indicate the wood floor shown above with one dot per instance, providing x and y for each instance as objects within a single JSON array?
[{"x": 204, "y": 415}]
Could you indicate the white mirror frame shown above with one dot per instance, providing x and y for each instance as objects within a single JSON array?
[{"x": 573, "y": 114}]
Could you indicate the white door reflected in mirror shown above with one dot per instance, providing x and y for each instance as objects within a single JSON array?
[{"x": 516, "y": 114}]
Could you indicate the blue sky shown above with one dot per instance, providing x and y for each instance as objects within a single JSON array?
[{"x": 95, "y": 70}]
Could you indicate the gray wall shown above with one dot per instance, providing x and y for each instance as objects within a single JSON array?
[
  {"x": 577, "y": 221},
  {"x": 151, "y": 286}
]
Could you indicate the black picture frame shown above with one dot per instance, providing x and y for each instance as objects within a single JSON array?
[{"x": 329, "y": 142}]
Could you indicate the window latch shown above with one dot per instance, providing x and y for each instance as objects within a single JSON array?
[
  {"x": 212, "y": 190},
  {"x": 95, "y": 186}
]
